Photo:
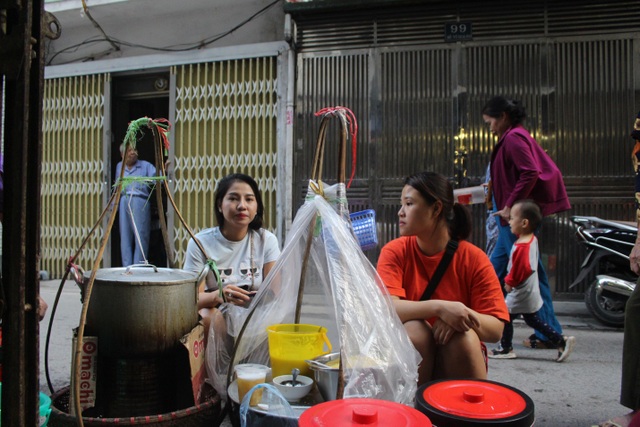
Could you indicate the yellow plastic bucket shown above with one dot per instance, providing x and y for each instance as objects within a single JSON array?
[{"x": 291, "y": 344}]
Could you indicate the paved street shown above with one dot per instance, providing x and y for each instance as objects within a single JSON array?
[{"x": 580, "y": 392}]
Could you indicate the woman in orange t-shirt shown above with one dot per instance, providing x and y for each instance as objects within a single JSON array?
[{"x": 467, "y": 307}]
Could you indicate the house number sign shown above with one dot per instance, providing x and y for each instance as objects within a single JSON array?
[{"x": 457, "y": 31}]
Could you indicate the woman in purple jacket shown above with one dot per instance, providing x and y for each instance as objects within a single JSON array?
[{"x": 521, "y": 169}]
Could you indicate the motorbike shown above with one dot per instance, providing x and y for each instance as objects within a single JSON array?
[{"x": 608, "y": 245}]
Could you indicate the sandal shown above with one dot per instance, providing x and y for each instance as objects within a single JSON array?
[
  {"x": 608, "y": 423},
  {"x": 536, "y": 343},
  {"x": 621, "y": 421}
]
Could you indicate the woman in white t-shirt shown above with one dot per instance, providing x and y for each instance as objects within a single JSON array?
[{"x": 242, "y": 250}]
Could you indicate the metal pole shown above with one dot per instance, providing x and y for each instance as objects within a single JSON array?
[{"x": 22, "y": 65}]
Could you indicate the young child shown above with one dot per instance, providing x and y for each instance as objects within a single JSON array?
[{"x": 521, "y": 283}]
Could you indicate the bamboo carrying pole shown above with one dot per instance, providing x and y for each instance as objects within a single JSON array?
[{"x": 316, "y": 175}]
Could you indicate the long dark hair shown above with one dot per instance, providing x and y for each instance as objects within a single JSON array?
[
  {"x": 222, "y": 190},
  {"x": 499, "y": 104},
  {"x": 432, "y": 187}
]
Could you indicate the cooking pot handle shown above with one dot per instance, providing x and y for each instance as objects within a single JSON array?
[
  {"x": 326, "y": 341},
  {"x": 128, "y": 270},
  {"x": 202, "y": 276}
]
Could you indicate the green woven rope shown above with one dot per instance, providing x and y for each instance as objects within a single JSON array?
[
  {"x": 149, "y": 181},
  {"x": 214, "y": 267},
  {"x": 135, "y": 127}
]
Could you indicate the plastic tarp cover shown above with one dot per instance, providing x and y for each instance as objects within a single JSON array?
[
  {"x": 341, "y": 291},
  {"x": 272, "y": 403}
]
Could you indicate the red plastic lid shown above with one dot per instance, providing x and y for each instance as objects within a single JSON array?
[
  {"x": 362, "y": 412},
  {"x": 475, "y": 399}
]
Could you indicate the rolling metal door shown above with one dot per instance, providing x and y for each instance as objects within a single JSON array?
[
  {"x": 225, "y": 122},
  {"x": 422, "y": 109},
  {"x": 73, "y": 169}
]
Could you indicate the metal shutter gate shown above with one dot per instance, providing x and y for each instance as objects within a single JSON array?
[
  {"x": 225, "y": 122},
  {"x": 73, "y": 169}
]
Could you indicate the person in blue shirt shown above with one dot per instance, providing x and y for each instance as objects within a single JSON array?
[{"x": 135, "y": 209}]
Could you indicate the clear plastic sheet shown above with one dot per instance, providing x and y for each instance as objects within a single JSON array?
[
  {"x": 273, "y": 411},
  {"x": 340, "y": 290}
]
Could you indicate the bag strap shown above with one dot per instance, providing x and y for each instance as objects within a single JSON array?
[{"x": 452, "y": 246}]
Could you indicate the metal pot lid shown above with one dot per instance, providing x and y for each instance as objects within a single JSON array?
[
  {"x": 325, "y": 362},
  {"x": 358, "y": 412},
  {"x": 474, "y": 403},
  {"x": 147, "y": 275}
]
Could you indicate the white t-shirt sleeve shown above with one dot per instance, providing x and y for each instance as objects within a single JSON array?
[
  {"x": 194, "y": 258},
  {"x": 271, "y": 247}
]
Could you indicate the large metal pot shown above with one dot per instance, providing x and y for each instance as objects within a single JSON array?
[{"x": 140, "y": 310}]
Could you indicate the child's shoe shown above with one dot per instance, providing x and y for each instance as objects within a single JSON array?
[
  {"x": 502, "y": 353},
  {"x": 536, "y": 343},
  {"x": 565, "y": 348}
]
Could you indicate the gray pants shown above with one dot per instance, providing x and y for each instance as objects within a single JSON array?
[
  {"x": 132, "y": 253},
  {"x": 630, "y": 389}
]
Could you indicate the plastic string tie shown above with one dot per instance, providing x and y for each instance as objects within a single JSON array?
[
  {"x": 135, "y": 232},
  {"x": 318, "y": 188},
  {"x": 132, "y": 131},
  {"x": 350, "y": 118},
  {"x": 148, "y": 181},
  {"x": 75, "y": 269},
  {"x": 163, "y": 127},
  {"x": 336, "y": 201},
  {"x": 214, "y": 268}
]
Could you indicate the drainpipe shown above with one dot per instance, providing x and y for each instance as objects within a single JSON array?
[{"x": 287, "y": 201}]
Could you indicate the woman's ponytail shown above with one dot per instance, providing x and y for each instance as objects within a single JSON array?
[{"x": 460, "y": 225}]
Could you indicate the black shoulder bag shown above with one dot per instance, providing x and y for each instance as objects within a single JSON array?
[{"x": 452, "y": 246}]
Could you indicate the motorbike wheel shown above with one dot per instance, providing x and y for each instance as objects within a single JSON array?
[{"x": 607, "y": 307}]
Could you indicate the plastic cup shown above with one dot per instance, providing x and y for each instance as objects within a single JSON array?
[
  {"x": 247, "y": 376},
  {"x": 469, "y": 195}
]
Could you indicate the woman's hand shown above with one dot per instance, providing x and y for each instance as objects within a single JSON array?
[
  {"x": 504, "y": 213},
  {"x": 442, "y": 332},
  {"x": 42, "y": 307},
  {"x": 237, "y": 296},
  {"x": 458, "y": 316}
]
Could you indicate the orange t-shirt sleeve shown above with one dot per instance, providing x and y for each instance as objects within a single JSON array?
[
  {"x": 472, "y": 281},
  {"x": 487, "y": 293},
  {"x": 390, "y": 267}
]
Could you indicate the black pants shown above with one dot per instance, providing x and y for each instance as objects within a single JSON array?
[
  {"x": 630, "y": 389},
  {"x": 534, "y": 321}
]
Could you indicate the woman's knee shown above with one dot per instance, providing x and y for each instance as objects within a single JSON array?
[
  {"x": 463, "y": 343},
  {"x": 420, "y": 334},
  {"x": 213, "y": 321},
  {"x": 462, "y": 356}
]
